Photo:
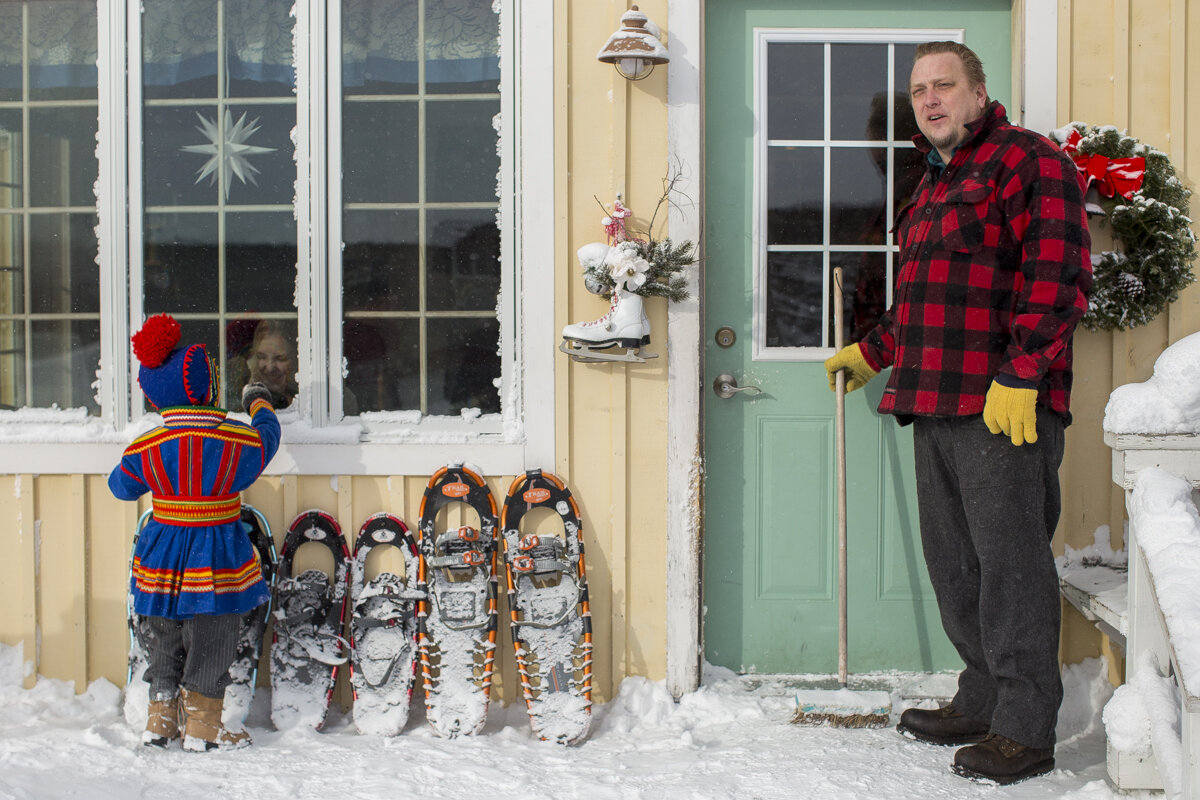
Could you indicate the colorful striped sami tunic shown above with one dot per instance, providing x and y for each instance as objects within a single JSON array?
[{"x": 193, "y": 556}]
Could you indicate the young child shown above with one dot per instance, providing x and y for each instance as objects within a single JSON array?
[{"x": 195, "y": 571}]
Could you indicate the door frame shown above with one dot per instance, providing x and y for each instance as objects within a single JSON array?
[{"x": 1035, "y": 52}]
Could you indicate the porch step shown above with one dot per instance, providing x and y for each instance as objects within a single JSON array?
[{"x": 1100, "y": 593}]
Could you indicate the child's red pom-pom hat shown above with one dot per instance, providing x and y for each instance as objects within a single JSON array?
[{"x": 172, "y": 375}]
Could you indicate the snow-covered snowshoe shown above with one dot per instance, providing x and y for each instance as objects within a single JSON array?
[
  {"x": 243, "y": 673},
  {"x": 548, "y": 602},
  {"x": 383, "y": 628},
  {"x": 244, "y": 669},
  {"x": 456, "y": 624},
  {"x": 310, "y": 609}
]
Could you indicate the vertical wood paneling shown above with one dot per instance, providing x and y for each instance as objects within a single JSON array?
[{"x": 110, "y": 528}]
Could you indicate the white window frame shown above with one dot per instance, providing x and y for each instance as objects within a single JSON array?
[
  {"x": 319, "y": 442},
  {"x": 826, "y": 36}
]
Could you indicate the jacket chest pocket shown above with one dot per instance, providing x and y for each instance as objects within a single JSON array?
[{"x": 963, "y": 219}]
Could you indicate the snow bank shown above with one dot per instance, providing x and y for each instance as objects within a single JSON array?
[{"x": 1167, "y": 402}]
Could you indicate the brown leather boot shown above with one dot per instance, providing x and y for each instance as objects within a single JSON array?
[
  {"x": 944, "y": 726},
  {"x": 162, "y": 722},
  {"x": 999, "y": 759},
  {"x": 203, "y": 729}
]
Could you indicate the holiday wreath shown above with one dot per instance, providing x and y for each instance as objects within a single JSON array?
[{"x": 1146, "y": 206}]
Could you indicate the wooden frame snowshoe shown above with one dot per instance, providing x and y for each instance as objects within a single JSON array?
[
  {"x": 307, "y": 646},
  {"x": 383, "y": 628},
  {"x": 548, "y": 604},
  {"x": 456, "y": 623},
  {"x": 243, "y": 673}
]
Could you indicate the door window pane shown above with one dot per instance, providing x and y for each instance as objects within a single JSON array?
[
  {"x": 857, "y": 195},
  {"x": 49, "y": 281},
  {"x": 219, "y": 175},
  {"x": 795, "y": 191},
  {"x": 864, "y": 292},
  {"x": 795, "y": 87},
  {"x": 857, "y": 72},
  {"x": 421, "y": 246},
  {"x": 794, "y": 300}
]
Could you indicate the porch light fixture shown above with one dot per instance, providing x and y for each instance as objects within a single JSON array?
[{"x": 634, "y": 49}]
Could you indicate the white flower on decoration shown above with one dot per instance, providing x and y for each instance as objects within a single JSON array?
[
  {"x": 627, "y": 267},
  {"x": 227, "y": 145}
]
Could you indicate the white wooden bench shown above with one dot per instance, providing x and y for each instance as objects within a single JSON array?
[{"x": 1163, "y": 640}]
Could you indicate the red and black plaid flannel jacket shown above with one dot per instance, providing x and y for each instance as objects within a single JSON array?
[{"x": 994, "y": 265}]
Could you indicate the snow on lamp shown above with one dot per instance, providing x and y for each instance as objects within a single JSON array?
[{"x": 635, "y": 49}]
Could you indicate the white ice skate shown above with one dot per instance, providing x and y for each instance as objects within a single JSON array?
[{"x": 625, "y": 325}]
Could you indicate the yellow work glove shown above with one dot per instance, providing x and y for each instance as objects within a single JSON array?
[
  {"x": 858, "y": 371},
  {"x": 1011, "y": 410}
]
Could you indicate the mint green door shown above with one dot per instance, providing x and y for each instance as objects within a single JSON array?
[{"x": 808, "y": 154}]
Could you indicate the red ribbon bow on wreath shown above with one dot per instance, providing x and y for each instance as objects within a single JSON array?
[{"x": 1112, "y": 176}]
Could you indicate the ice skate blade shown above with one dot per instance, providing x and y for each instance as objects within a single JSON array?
[{"x": 584, "y": 354}]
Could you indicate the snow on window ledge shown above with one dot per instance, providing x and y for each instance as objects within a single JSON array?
[{"x": 68, "y": 441}]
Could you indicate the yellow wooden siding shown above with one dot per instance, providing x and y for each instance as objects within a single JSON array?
[{"x": 1126, "y": 63}]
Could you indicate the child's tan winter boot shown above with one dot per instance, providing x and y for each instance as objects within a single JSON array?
[
  {"x": 203, "y": 729},
  {"x": 162, "y": 722}
]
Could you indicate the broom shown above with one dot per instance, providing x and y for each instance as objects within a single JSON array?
[{"x": 843, "y": 708}]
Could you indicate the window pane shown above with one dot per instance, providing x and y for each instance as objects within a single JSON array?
[
  {"x": 903, "y": 70},
  {"x": 10, "y": 158},
  {"x": 858, "y": 73},
  {"x": 179, "y": 48},
  {"x": 258, "y": 48},
  {"x": 383, "y": 363},
  {"x": 260, "y": 261},
  {"x": 11, "y": 34},
  {"x": 380, "y": 261},
  {"x": 12, "y": 365},
  {"x": 795, "y": 195},
  {"x": 461, "y": 145},
  {"x": 794, "y": 299},
  {"x": 62, "y": 155},
  {"x": 175, "y": 176},
  {"x": 379, "y": 47},
  {"x": 795, "y": 91},
  {"x": 12, "y": 265},
  {"x": 462, "y": 47},
  {"x": 857, "y": 199},
  {"x": 260, "y": 165},
  {"x": 62, "y": 252},
  {"x": 65, "y": 354},
  {"x": 62, "y": 50},
  {"x": 864, "y": 292},
  {"x": 464, "y": 260},
  {"x": 380, "y": 155},
  {"x": 910, "y": 167},
  {"x": 463, "y": 365},
  {"x": 181, "y": 263},
  {"x": 263, "y": 350}
]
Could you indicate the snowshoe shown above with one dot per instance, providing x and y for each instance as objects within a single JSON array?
[
  {"x": 243, "y": 673},
  {"x": 548, "y": 602},
  {"x": 456, "y": 623},
  {"x": 244, "y": 669},
  {"x": 309, "y": 611},
  {"x": 383, "y": 628}
]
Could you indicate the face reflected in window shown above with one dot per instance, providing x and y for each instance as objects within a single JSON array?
[{"x": 272, "y": 361}]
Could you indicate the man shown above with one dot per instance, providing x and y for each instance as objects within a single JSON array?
[{"x": 992, "y": 274}]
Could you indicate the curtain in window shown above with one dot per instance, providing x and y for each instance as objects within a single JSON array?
[
  {"x": 382, "y": 42},
  {"x": 62, "y": 45},
  {"x": 179, "y": 42}
]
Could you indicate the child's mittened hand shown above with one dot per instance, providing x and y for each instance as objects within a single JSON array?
[{"x": 254, "y": 391}]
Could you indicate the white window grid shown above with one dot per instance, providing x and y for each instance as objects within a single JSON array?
[{"x": 763, "y": 39}]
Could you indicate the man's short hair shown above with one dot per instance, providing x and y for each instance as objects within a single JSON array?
[{"x": 971, "y": 63}]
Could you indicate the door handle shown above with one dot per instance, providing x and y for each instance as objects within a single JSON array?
[{"x": 726, "y": 387}]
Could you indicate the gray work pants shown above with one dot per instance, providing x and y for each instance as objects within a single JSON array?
[
  {"x": 988, "y": 510},
  {"x": 193, "y": 653}
]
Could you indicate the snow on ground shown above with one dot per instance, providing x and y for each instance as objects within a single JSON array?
[{"x": 731, "y": 739}]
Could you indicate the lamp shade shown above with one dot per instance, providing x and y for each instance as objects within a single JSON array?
[{"x": 633, "y": 49}]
